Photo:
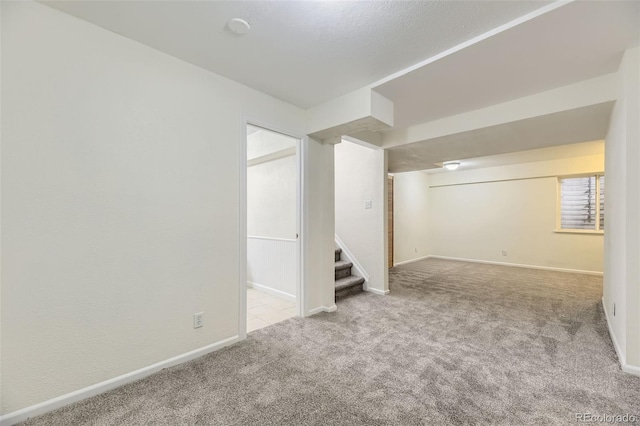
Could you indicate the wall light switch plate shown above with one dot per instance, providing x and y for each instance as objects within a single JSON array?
[
  {"x": 367, "y": 204},
  {"x": 198, "y": 321}
]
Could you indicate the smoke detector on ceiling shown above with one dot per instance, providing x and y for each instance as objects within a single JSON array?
[{"x": 238, "y": 26}]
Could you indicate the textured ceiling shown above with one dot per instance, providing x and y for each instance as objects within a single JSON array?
[
  {"x": 574, "y": 42},
  {"x": 308, "y": 52},
  {"x": 540, "y": 154},
  {"x": 302, "y": 52},
  {"x": 566, "y": 127}
]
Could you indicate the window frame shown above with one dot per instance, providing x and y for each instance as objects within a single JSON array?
[{"x": 559, "y": 229}]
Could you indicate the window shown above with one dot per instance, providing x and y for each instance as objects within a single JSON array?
[{"x": 582, "y": 203}]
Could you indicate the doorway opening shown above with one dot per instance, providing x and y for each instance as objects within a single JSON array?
[{"x": 273, "y": 209}]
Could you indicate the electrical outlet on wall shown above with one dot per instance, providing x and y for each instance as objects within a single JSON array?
[
  {"x": 198, "y": 321},
  {"x": 504, "y": 252},
  {"x": 367, "y": 204}
]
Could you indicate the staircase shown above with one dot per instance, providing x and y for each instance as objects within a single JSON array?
[{"x": 346, "y": 283}]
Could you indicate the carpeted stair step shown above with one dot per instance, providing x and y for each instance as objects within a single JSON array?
[
  {"x": 349, "y": 282},
  {"x": 346, "y": 284},
  {"x": 342, "y": 269}
]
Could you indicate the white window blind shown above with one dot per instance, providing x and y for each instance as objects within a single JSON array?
[
  {"x": 601, "y": 190},
  {"x": 582, "y": 203}
]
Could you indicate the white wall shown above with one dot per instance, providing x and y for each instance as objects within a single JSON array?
[
  {"x": 120, "y": 203},
  {"x": 622, "y": 253},
  {"x": 271, "y": 199},
  {"x": 318, "y": 227},
  {"x": 475, "y": 214},
  {"x": 271, "y": 266},
  {"x": 472, "y": 216},
  {"x": 410, "y": 216},
  {"x": 631, "y": 69},
  {"x": 271, "y": 213},
  {"x": 271, "y": 188},
  {"x": 360, "y": 175},
  {"x": 262, "y": 142}
]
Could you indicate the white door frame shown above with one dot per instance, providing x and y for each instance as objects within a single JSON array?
[{"x": 301, "y": 305}]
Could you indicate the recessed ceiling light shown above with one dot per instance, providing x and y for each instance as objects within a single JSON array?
[
  {"x": 238, "y": 26},
  {"x": 451, "y": 165}
]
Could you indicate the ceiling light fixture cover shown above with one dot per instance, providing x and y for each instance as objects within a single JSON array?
[
  {"x": 238, "y": 26},
  {"x": 451, "y": 165}
]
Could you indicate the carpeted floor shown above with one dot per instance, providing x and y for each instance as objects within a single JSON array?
[{"x": 453, "y": 343}]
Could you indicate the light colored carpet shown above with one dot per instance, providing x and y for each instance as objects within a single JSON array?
[{"x": 454, "y": 343}]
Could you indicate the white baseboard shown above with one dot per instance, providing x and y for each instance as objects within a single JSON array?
[
  {"x": 616, "y": 346},
  {"x": 358, "y": 267},
  {"x": 631, "y": 369},
  {"x": 404, "y": 262},
  {"x": 319, "y": 309},
  {"x": 518, "y": 265},
  {"x": 376, "y": 291},
  {"x": 278, "y": 293},
  {"x": 98, "y": 388}
]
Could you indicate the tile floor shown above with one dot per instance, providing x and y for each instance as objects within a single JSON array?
[{"x": 264, "y": 309}]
